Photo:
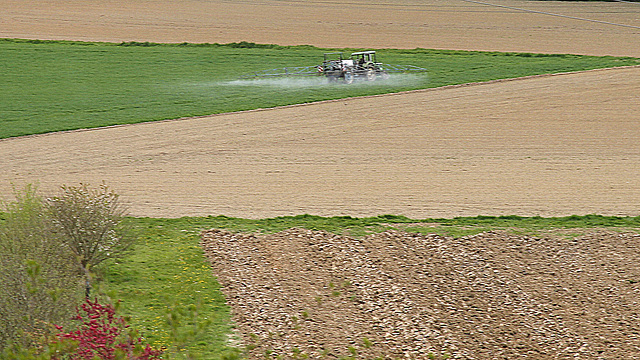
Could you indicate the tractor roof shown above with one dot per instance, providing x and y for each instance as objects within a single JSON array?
[{"x": 363, "y": 53}]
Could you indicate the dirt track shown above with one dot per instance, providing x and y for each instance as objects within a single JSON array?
[{"x": 547, "y": 146}]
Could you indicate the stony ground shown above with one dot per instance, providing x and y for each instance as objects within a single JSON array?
[{"x": 490, "y": 296}]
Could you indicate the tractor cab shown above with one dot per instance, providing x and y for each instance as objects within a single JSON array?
[{"x": 364, "y": 59}]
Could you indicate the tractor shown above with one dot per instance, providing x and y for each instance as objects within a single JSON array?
[
  {"x": 335, "y": 67},
  {"x": 360, "y": 65}
]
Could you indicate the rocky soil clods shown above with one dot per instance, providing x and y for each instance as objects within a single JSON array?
[{"x": 495, "y": 295}]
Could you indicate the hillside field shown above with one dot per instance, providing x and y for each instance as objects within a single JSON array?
[{"x": 513, "y": 202}]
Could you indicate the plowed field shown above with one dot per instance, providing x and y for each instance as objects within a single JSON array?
[
  {"x": 488, "y": 296},
  {"x": 545, "y": 146}
]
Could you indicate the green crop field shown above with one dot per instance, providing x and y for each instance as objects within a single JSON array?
[{"x": 52, "y": 86}]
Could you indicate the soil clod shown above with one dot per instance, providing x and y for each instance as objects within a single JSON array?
[{"x": 402, "y": 295}]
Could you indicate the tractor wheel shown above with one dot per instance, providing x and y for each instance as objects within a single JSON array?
[
  {"x": 371, "y": 75},
  {"x": 348, "y": 78}
]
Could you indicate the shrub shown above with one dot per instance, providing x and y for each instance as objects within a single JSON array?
[
  {"x": 39, "y": 279},
  {"x": 46, "y": 247},
  {"x": 89, "y": 222},
  {"x": 102, "y": 335},
  {"x": 98, "y": 334}
]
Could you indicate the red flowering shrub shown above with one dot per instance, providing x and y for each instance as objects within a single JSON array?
[{"x": 103, "y": 335}]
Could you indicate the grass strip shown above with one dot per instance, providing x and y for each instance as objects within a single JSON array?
[
  {"x": 165, "y": 280},
  {"x": 63, "y": 85}
]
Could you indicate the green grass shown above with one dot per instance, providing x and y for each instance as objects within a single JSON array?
[
  {"x": 166, "y": 273},
  {"x": 167, "y": 266},
  {"x": 56, "y": 85}
]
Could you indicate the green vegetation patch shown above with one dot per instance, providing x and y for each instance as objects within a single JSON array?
[
  {"x": 168, "y": 293},
  {"x": 56, "y": 85}
]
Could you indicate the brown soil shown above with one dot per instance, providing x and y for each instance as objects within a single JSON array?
[
  {"x": 444, "y": 24},
  {"x": 489, "y": 296}
]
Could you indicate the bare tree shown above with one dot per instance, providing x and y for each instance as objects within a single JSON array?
[{"x": 90, "y": 223}]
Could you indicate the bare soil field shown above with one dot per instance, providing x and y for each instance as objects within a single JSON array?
[
  {"x": 439, "y": 24},
  {"x": 546, "y": 146},
  {"x": 490, "y": 296}
]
